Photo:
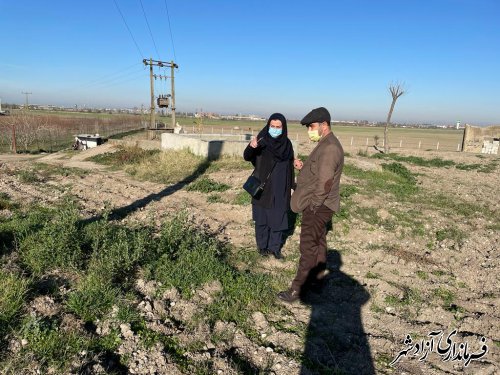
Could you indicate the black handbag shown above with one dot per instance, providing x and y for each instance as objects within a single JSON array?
[{"x": 254, "y": 186}]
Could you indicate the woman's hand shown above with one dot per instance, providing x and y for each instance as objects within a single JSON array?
[
  {"x": 298, "y": 164},
  {"x": 253, "y": 142}
]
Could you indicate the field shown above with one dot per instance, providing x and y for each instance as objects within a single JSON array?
[
  {"x": 352, "y": 137},
  {"x": 122, "y": 260},
  {"x": 53, "y": 131}
]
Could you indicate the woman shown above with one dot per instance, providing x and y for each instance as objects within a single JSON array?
[{"x": 271, "y": 153}]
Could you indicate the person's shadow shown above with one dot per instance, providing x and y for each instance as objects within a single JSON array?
[{"x": 336, "y": 342}]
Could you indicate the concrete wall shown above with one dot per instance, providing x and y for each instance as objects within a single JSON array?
[
  {"x": 142, "y": 143},
  {"x": 211, "y": 146},
  {"x": 478, "y": 139}
]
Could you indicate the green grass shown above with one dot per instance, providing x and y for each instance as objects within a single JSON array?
[
  {"x": 50, "y": 346},
  {"x": 93, "y": 297},
  {"x": 416, "y": 160},
  {"x": 166, "y": 167},
  {"x": 445, "y": 296},
  {"x": 6, "y": 202},
  {"x": 126, "y": 134},
  {"x": 242, "y": 198},
  {"x": 47, "y": 170},
  {"x": 215, "y": 198},
  {"x": 193, "y": 258},
  {"x": 13, "y": 291},
  {"x": 55, "y": 244},
  {"x": 411, "y": 297},
  {"x": 400, "y": 170},
  {"x": 124, "y": 156},
  {"x": 207, "y": 185},
  {"x": 451, "y": 233},
  {"x": 29, "y": 176},
  {"x": 392, "y": 180},
  {"x": 422, "y": 275}
]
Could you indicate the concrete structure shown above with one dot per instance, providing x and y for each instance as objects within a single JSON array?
[
  {"x": 85, "y": 141},
  {"x": 481, "y": 140},
  {"x": 141, "y": 143},
  {"x": 211, "y": 146}
]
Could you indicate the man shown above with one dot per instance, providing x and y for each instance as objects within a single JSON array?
[{"x": 317, "y": 197}]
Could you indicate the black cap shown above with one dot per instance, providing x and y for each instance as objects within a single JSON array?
[{"x": 316, "y": 115}]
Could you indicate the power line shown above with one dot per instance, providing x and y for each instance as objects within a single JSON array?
[
  {"x": 149, "y": 28},
  {"x": 123, "y": 18},
  {"x": 170, "y": 28},
  {"x": 110, "y": 76},
  {"x": 120, "y": 79}
]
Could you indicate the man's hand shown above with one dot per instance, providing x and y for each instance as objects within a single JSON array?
[
  {"x": 298, "y": 164},
  {"x": 253, "y": 142}
]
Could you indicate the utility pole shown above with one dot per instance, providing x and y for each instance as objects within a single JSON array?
[
  {"x": 26, "y": 93},
  {"x": 161, "y": 64},
  {"x": 172, "y": 66},
  {"x": 14, "y": 146},
  {"x": 152, "y": 121}
]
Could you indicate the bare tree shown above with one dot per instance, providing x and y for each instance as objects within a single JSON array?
[
  {"x": 26, "y": 129},
  {"x": 396, "y": 89}
]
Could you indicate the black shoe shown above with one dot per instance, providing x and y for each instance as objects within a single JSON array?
[
  {"x": 278, "y": 255},
  {"x": 289, "y": 295},
  {"x": 264, "y": 252}
]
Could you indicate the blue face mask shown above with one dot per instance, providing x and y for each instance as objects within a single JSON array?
[{"x": 275, "y": 132}]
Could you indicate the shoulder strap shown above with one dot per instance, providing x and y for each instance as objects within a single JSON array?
[{"x": 271, "y": 171}]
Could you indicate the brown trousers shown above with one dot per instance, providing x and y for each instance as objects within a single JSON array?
[{"x": 313, "y": 248}]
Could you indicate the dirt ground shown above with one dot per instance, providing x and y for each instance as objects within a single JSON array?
[{"x": 352, "y": 324}]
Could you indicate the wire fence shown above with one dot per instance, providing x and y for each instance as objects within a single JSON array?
[{"x": 429, "y": 143}]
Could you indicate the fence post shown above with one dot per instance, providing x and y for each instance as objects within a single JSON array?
[
  {"x": 400, "y": 143},
  {"x": 419, "y": 143},
  {"x": 297, "y": 136},
  {"x": 458, "y": 147},
  {"x": 352, "y": 139},
  {"x": 367, "y": 142},
  {"x": 437, "y": 146}
]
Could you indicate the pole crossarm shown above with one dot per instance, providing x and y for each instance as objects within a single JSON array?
[{"x": 168, "y": 64}]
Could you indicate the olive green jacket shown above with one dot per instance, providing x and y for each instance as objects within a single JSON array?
[{"x": 319, "y": 179}]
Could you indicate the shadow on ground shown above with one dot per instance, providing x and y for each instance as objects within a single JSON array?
[
  {"x": 335, "y": 341},
  {"x": 119, "y": 213}
]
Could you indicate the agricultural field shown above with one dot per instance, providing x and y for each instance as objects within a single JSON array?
[
  {"x": 351, "y": 137},
  {"x": 120, "y": 260}
]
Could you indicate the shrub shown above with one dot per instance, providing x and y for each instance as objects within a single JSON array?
[{"x": 93, "y": 298}]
